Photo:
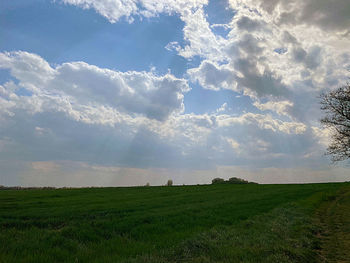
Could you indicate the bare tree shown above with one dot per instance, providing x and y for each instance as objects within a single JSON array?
[{"x": 336, "y": 105}]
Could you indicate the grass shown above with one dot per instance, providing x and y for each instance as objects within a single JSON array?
[
  {"x": 209, "y": 223},
  {"x": 334, "y": 216}
]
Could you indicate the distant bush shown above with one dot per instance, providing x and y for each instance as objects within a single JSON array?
[
  {"x": 147, "y": 184},
  {"x": 218, "y": 181},
  {"x": 236, "y": 180},
  {"x": 169, "y": 183},
  {"x": 232, "y": 180}
]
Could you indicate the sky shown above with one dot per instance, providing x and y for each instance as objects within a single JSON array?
[{"x": 129, "y": 92}]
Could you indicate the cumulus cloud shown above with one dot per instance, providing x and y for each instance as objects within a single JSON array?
[
  {"x": 324, "y": 14},
  {"x": 280, "y": 107},
  {"x": 212, "y": 76},
  {"x": 244, "y": 77},
  {"x": 114, "y": 10},
  {"x": 261, "y": 121},
  {"x": 266, "y": 57},
  {"x": 248, "y": 24},
  {"x": 68, "y": 116},
  {"x": 79, "y": 85},
  {"x": 270, "y": 25},
  {"x": 242, "y": 62},
  {"x": 200, "y": 38},
  {"x": 311, "y": 59},
  {"x": 255, "y": 33}
]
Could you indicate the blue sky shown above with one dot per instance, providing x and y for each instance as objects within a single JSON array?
[
  {"x": 62, "y": 33},
  {"x": 129, "y": 92}
]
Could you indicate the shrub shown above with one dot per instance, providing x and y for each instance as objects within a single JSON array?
[
  {"x": 236, "y": 180},
  {"x": 218, "y": 181},
  {"x": 232, "y": 180},
  {"x": 169, "y": 183}
]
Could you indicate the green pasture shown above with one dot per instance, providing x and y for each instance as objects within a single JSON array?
[{"x": 205, "y": 223}]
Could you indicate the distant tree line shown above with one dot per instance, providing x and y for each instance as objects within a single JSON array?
[
  {"x": 232, "y": 180},
  {"x": 2, "y": 187}
]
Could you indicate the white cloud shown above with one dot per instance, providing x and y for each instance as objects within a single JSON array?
[
  {"x": 285, "y": 63},
  {"x": 252, "y": 63},
  {"x": 79, "y": 87},
  {"x": 201, "y": 40},
  {"x": 234, "y": 144},
  {"x": 280, "y": 107},
  {"x": 70, "y": 117},
  {"x": 173, "y": 46},
  {"x": 323, "y": 135},
  {"x": 114, "y": 10},
  {"x": 250, "y": 24},
  {"x": 328, "y": 15},
  {"x": 214, "y": 77},
  {"x": 223, "y": 108}
]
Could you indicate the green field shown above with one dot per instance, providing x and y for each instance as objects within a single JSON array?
[{"x": 207, "y": 223}]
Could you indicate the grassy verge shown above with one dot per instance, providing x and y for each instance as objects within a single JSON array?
[{"x": 334, "y": 218}]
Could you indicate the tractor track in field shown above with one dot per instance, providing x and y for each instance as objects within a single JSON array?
[{"x": 334, "y": 238}]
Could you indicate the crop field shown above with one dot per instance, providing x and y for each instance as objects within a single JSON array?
[{"x": 204, "y": 223}]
